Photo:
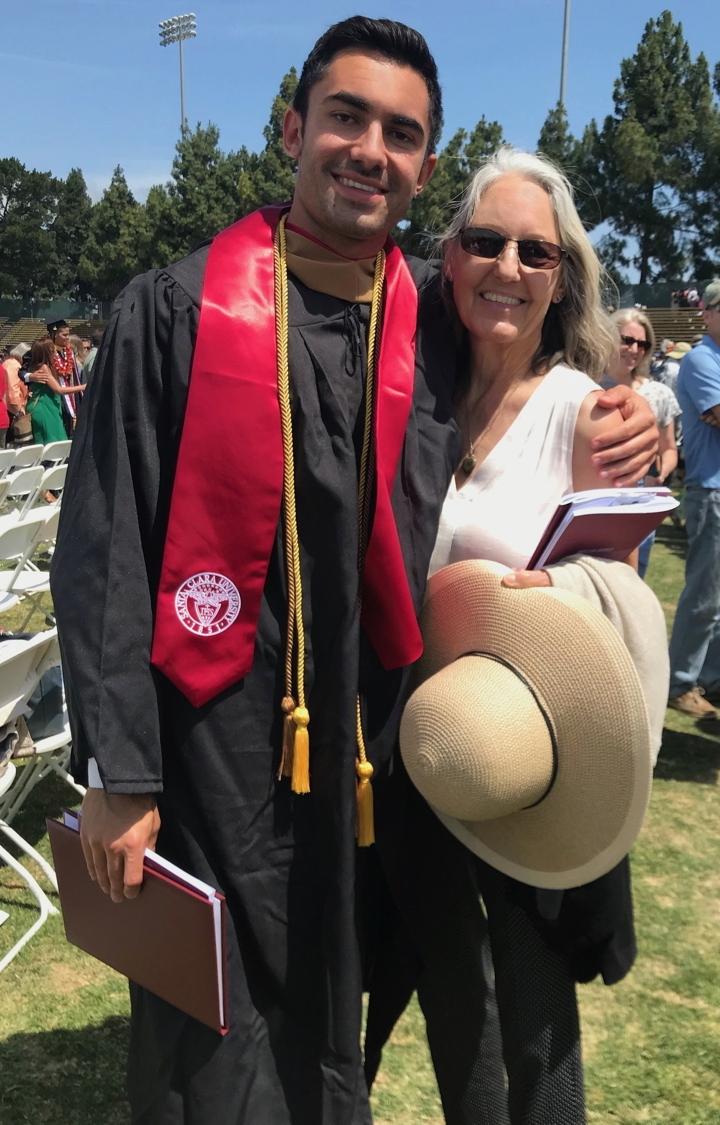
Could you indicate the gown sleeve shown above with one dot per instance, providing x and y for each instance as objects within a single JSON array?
[{"x": 114, "y": 514}]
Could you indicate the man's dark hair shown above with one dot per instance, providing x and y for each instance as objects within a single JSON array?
[{"x": 396, "y": 41}]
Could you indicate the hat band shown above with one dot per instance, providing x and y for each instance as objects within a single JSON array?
[{"x": 541, "y": 708}]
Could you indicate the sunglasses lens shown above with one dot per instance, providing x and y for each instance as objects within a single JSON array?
[
  {"x": 532, "y": 252},
  {"x": 482, "y": 243},
  {"x": 629, "y": 341},
  {"x": 539, "y": 255}
]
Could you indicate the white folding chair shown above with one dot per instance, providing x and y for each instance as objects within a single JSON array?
[
  {"x": 21, "y": 665},
  {"x": 56, "y": 452},
  {"x": 52, "y": 480},
  {"x": 23, "y": 483},
  {"x": 7, "y": 461},
  {"x": 18, "y": 541},
  {"x": 28, "y": 455}
]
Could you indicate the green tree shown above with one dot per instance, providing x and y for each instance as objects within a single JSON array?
[
  {"x": 431, "y": 211},
  {"x": 556, "y": 141},
  {"x": 110, "y": 257},
  {"x": 202, "y": 192},
  {"x": 71, "y": 228},
  {"x": 647, "y": 151},
  {"x": 269, "y": 176},
  {"x": 28, "y": 208},
  {"x": 703, "y": 196},
  {"x": 156, "y": 241}
]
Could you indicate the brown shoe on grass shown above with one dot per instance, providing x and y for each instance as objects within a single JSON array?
[{"x": 693, "y": 702}]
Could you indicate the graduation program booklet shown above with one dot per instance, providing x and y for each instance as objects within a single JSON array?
[
  {"x": 608, "y": 523},
  {"x": 170, "y": 939}
]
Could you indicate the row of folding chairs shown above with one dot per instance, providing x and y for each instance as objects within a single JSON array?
[
  {"x": 25, "y": 456},
  {"x": 22, "y": 663},
  {"x": 21, "y": 579}
]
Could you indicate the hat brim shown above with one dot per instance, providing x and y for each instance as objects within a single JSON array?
[{"x": 581, "y": 670}]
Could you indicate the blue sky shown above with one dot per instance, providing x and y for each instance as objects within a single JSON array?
[{"x": 86, "y": 83}]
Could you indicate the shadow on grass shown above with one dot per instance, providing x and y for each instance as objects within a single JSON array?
[
  {"x": 688, "y": 757},
  {"x": 672, "y": 537},
  {"x": 48, "y": 798},
  {"x": 66, "y": 1075}
]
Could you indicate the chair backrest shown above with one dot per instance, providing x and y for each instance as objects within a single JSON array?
[
  {"x": 7, "y": 461},
  {"x": 48, "y": 532},
  {"x": 21, "y": 665},
  {"x": 26, "y": 455},
  {"x": 24, "y": 482},
  {"x": 18, "y": 539},
  {"x": 51, "y": 480},
  {"x": 56, "y": 451},
  {"x": 54, "y": 478}
]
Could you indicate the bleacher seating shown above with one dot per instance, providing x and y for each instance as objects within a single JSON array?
[
  {"x": 28, "y": 329},
  {"x": 24, "y": 331},
  {"x": 676, "y": 324}
]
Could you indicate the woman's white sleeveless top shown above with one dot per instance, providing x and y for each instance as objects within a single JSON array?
[{"x": 505, "y": 505}]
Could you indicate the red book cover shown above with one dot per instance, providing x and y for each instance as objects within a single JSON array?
[
  {"x": 607, "y": 524},
  {"x": 170, "y": 939}
]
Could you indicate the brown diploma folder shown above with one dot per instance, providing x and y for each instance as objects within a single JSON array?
[
  {"x": 170, "y": 939},
  {"x": 607, "y": 523}
]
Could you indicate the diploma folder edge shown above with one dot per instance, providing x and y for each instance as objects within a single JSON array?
[
  {"x": 170, "y": 939},
  {"x": 601, "y": 523}
]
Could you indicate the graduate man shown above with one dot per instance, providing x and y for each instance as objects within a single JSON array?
[{"x": 251, "y": 507}]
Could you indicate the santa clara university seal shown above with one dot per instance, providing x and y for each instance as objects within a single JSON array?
[{"x": 207, "y": 603}]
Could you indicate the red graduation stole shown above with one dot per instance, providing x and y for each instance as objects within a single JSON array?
[{"x": 227, "y": 492}]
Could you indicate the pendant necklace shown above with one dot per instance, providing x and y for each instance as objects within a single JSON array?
[{"x": 468, "y": 462}]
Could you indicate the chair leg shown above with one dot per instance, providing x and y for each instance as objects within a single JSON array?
[
  {"x": 26, "y": 781},
  {"x": 30, "y": 851},
  {"x": 44, "y": 904}
]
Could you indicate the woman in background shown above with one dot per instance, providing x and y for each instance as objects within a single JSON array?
[
  {"x": 44, "y": 401},
  {"x": 630, "y": 366}
]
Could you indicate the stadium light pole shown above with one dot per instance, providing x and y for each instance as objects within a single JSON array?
[
  {"x": 176, "y": 30},
  {"x": 563, "y": 63}
]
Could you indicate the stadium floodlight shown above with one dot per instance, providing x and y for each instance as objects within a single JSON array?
[{"x": 176, "y": 30}]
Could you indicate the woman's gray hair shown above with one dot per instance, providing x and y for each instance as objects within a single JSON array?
[
  {"x": 576, "y": 329},
  {"x": 636, "y": 316}
]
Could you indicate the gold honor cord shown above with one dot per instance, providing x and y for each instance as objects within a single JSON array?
[{"x": 295, "y": 758}]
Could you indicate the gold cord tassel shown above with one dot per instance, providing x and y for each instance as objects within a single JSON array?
[
  {"x": 365, "y": 811},
  {"x": 295, "y": 757},
  {"x": 288, "y": 738},
  {"x": 301, "y": 752}
]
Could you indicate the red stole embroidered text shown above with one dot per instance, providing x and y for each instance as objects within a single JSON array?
[{"x": 227, "y": 492}]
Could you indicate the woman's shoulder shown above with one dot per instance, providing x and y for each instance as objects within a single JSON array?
[{"x": 571, "y": 384}]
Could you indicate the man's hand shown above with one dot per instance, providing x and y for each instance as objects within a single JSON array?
[
  {"x": 625, "y": 454},
  {"x": 115, "y": 830}
]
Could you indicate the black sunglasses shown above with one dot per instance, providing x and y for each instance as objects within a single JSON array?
[
  {"x": 532, "y": 252},
  {"x": 628, "y": 341}
]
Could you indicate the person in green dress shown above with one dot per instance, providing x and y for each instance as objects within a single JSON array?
[{"x": 44, "y": 403}]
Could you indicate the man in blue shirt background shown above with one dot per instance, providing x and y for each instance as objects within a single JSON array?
[{"x": 695, "y": 641}]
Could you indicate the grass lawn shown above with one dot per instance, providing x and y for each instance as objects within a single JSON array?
[{"x": 652, "y": 1043}]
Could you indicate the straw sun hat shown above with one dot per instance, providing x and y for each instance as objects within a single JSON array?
[
  {"x": 528, "y": 734},
  {"x": 681, "y": 349}
]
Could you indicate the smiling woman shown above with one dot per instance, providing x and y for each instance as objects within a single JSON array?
[{"x": 524, "y": 283}]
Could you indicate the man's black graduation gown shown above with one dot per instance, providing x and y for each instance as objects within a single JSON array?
[{"x": 287, "y": 864}]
